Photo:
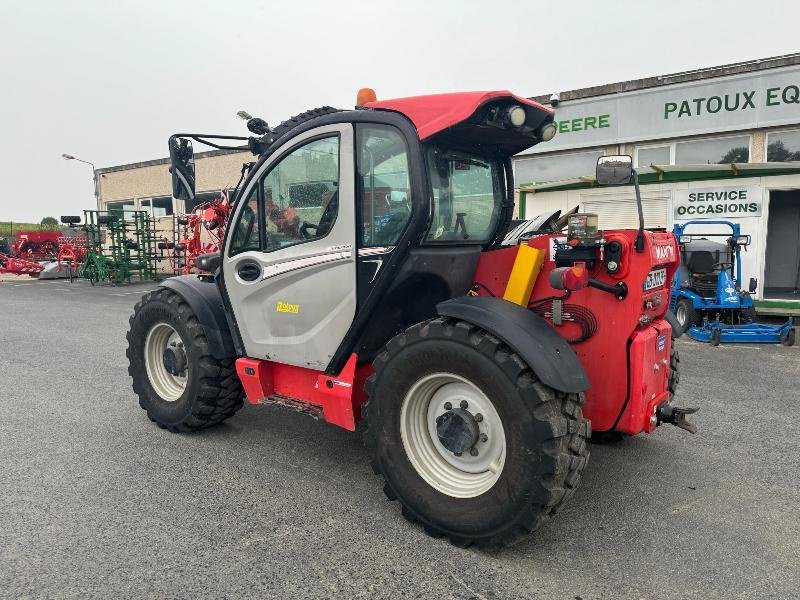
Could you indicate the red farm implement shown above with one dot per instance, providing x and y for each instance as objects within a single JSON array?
[
  {"x": 36, "y": 245},
  {"x": 19, "y": 266},
  {"x": 199, "y": 232}
]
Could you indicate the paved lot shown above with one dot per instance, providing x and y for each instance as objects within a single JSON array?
[{"x": 97, "y": 501}]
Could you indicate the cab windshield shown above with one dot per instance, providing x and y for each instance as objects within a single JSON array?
[{"x": 468, "y": 192}]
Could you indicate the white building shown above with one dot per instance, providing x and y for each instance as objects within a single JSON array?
[{"x": 720, "y": 143}]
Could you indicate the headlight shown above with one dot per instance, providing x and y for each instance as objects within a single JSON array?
[
  {"x": 548, "y": 132},
  {"x": 517, "y": 116},
  {"x": 685, "y": 239},
  {"x": 742, "y": 240}
]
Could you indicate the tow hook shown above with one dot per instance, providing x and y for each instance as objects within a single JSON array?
[{"x": 677, "y": 416}]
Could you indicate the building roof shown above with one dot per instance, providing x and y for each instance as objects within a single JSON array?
[
  {"x": 674, "y": 174},
  {"x": 748, "y": 66},
  {"x": 165, "y": 161}
]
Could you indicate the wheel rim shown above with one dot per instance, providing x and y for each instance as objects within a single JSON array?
[
  {"x": 464, "y": 476},
  {"x": 168, "y": 386},
  {"x": 680, "y": 314}
]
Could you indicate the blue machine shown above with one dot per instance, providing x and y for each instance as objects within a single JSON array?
[{"x": 706, "y": 295}]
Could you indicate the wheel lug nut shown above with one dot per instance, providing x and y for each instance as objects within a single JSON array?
[
  {"x": 473, "y": 451},
  {"x": 448, "y": 406},
  {"x": 464, "y": 404},
  {"x": 483, "y": 437},
  {"x": 478, "y": 417}
]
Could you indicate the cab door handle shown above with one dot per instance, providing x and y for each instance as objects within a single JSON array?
[{"x": 249, "y": 272}]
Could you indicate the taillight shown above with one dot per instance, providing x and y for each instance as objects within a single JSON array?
[{"x": 571, "y": 278}]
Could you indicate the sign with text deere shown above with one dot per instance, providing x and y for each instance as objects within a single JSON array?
[
  {"x": 717, "y": 202},
  {"x": 721, "y": 104}
]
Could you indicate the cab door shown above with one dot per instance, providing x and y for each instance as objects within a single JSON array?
[{"x": 289, "y": 265}]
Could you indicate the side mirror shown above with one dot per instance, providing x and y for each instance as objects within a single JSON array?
[
  {"x": 753, "y": 285},
  {"x": 614, "y": 170},
  {"x": 181, "y": 158}
]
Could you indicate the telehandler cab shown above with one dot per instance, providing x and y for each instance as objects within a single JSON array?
[{"x": 362, "y": 277}]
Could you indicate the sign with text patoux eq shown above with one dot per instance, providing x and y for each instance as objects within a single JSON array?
[
  {"x": 732, "y": 103},
  {"x": 717, "y": 202}
]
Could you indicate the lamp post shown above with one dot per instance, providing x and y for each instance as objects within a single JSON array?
[{"x": 94, "y": 175}]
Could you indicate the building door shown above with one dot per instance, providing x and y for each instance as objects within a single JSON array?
[{"x": 782, "y": 272}]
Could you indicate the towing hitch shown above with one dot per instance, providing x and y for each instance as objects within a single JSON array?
[{"x": 677, "y": 416}]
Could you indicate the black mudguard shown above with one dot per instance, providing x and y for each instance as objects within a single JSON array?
[
  {"x": 205, "y": 300},
  {"x": 526, "y": 333}
]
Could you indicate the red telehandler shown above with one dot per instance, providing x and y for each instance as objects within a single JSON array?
[{"x": 362, "y": 278}]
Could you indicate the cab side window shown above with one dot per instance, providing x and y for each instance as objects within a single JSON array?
[
  {"x": 383, "y": 196},
  {"x": 301, "y": 194},
  {"x": 246, "y": 234}
]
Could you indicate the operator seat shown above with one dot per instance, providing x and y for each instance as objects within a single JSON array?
[{"x": 704, "y": 267}]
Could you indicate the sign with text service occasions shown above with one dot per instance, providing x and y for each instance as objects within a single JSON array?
[
  {"x": 717, "y": 202},
  {"x": 732, "y": 103}
]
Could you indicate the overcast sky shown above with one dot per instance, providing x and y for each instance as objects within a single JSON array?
[{"x": 109, "y": 81}]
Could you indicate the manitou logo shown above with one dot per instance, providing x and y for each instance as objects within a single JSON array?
[{"x": 665, "y": 252}]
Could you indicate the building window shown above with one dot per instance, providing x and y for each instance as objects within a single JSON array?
[
  {"x": 783, "y": 146},
  {"x": 556, "y": 167},
  {"x": 200, "y": 198},
  {"x": 125, "y": 207},
  {"x": 157, "y": 207},
  {"x": 653, "y": 155},
  {"x": 713, "y": 151}
]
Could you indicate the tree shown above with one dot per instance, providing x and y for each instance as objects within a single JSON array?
[
  {"x": 736, "y": 155},
  {"x": 778, "y": 152},
  {"x": 49, "y": 223}
]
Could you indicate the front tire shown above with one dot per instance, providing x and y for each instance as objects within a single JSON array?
[
  {"x": 530, "y": 440},
  {"x": 180, "y": 384},
  {"x": 686, "y": 315}
]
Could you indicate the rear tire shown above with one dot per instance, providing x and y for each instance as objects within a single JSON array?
[
  {"x": 205, "y": 393},
  {"x": 686, "y": 315},
  {"x": 674, "y": 370},
  {"x": 543, "y": 435},
  {"x": 297, "y": 120}
]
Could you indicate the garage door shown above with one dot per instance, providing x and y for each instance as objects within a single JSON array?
[{"x": 620, "y": 213}]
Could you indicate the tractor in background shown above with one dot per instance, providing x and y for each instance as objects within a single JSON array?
[
  {"x": 706, "y": 294},
  {"x": 363, "y": 276}
]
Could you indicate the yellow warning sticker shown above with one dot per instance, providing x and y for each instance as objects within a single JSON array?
[{"x": 286, "y": 307}]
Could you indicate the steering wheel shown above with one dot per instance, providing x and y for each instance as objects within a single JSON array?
[{"x": 305, "y": 227}]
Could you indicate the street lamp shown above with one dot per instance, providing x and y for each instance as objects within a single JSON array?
[{"x": 94, "y": 174}]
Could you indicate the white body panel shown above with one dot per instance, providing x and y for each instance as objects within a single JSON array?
[{"x": 300, "y": 308}]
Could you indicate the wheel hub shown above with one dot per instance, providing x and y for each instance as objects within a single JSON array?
[
  {"x": 453, "y": 435},
  {"x": 457, "y": 430},
  {"x": 174, "y": 359},
  {"x": 680, "y": 314},
  {"x": 166, "y": 362}
]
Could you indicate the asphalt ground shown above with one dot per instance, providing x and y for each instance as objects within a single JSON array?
[{"x": 96, "y": 501}]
